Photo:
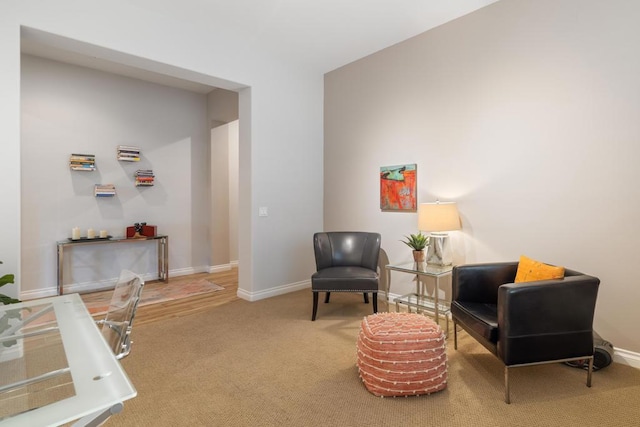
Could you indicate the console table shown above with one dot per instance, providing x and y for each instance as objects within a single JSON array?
[{"x": 163, "y": 253}]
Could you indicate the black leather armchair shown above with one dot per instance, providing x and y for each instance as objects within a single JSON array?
[
  {"x": 345, "y": 262},
  {"x": 525, "y": 323}
]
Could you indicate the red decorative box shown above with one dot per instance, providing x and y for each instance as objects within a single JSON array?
[{"x": 147, "y": 231}]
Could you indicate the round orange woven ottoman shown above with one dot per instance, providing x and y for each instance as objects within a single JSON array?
[{"x": 401, "y": 354}]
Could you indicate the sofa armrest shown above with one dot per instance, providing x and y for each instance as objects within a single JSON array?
[
  {"x": 546, "y": 320},
  {"x": 480, "y": 282}
]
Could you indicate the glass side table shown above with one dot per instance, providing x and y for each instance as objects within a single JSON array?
[{"x": 419, "y": 300}]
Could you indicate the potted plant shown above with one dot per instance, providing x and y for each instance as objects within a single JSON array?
[
  {"x": 417, "y": 242},
  {"x": 5, "y": 299}
]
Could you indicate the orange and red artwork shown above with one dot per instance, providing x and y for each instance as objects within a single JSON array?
[{"x": 398, "y": 188}]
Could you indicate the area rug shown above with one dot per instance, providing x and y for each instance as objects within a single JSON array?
[{"x": 153, "y": 293}]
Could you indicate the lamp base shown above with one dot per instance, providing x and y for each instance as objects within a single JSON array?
[{"x": 439, "y": 252}]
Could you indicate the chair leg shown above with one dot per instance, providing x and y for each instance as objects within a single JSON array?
[
  {"x": 326, "y": 297},
  {"x": 374, "y": 297},
  {"x": 507, "y": 399},
  {"x": 315, "y": 306},
  {"x": 589, "y": 371},
  {"x": 366, "y": 298}
]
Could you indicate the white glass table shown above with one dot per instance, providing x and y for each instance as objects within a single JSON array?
[
  {"x": 419, "y": 300},
  {"x": 55, "y": 367}
]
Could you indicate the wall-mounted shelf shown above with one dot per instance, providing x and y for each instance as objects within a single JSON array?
[
  {"x": 127, "y": 153},
  {"x": 82, "y": 162},
  {"x": 144, "y": 178},
  {"x": 105, "y": 190}
]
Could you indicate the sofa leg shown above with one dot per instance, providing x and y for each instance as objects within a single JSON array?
[
  {"x": 455, "y": 336},
  {"x": 366, "y": 297},
  {"x": 315, "y": 306},
  {"x": 326, "y": 297},
  {"x": 374, "y": 296},
  {"x": 507, "y": 399}
]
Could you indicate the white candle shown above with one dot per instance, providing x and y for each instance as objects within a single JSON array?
[
  {"x": 103, "y": 234},
  {"x": 75, "y": 233},
  {"x": 91, "y": 233}
]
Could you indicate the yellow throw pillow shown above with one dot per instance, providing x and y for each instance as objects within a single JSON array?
[{"x": 530, "y": 270}]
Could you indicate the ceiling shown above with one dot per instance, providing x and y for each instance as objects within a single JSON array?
[{"x": 322, "y": 35}]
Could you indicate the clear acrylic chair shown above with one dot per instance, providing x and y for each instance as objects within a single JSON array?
[{"x": 116, "y": 326}]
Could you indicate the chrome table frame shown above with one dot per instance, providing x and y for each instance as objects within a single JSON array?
[
  {"x": 163, "y": 253},
  {"x": 419, "y": 300}
]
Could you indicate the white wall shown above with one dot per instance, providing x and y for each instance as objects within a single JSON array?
[
  {"x": 68, "y": 109},
  {"x": 526, "y": 114},
  {"x": 234, "y": 171},
  {"x": 280, "y": 123}
]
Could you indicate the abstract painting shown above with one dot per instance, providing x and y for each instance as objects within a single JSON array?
[{"x": 398, "y": 188}]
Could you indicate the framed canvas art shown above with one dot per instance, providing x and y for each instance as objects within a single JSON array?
[{"x": 398, "y": 188}]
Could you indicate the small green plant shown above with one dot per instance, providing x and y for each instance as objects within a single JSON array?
[
  {"x": 5, "y": 299},
  {"x": 417, "y": 242}
]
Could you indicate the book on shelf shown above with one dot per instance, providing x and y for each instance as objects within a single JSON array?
[
  {"x": 144, "y": 177},
  {"x": 128, "y": 153},
  {"x": 104, "y": 190},
  {"x": 82, "y": 162}
]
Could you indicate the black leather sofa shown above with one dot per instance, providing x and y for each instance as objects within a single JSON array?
[{"x": 525, "y": 323}]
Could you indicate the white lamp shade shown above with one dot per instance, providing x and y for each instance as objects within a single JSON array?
[{"x": 437, "y": 217}]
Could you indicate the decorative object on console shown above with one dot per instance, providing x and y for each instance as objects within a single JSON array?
[
  {"x": 82, "y": 162},
  {"x": 398, "y": 188},
  {"x": 127, "y": 153},
  {"x": 140, "y": 230},
  {"x": 417, "y": 242},
  {"x": 438, "y": 218}
]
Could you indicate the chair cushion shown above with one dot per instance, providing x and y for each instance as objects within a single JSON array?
[
  {"x": 350, "y": 279},
  {"x": 401, "y": 354},
  {"x": 530, "y": 270},
  {"x": 480, "y": 317}
]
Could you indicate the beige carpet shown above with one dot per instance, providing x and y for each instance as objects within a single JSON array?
[{"x": 266, "y": 364}]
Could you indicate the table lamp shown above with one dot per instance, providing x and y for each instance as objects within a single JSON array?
[{"x": 437, "y": 219}]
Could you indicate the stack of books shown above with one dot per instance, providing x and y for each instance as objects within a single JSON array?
[
  {"x": 82, "y": 162},
  {"x": 105, "y": 190},
  {"x": 128, "y": 153},
  {"x": 144, "y": 177}
]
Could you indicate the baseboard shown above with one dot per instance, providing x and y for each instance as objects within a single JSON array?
[
  {"x": 272, "y": 292},
  {"x": 221, "y": 268},
  {"x": 626, "y": 357},
  {"x": 104, "y": 284}
]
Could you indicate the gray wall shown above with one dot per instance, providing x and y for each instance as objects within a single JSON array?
[
  {"x": 68, "y": 109},
  {"x": 525, "y": 113}
]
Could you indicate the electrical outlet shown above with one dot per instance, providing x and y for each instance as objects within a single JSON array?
[{"x": 263, "y": 211}]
